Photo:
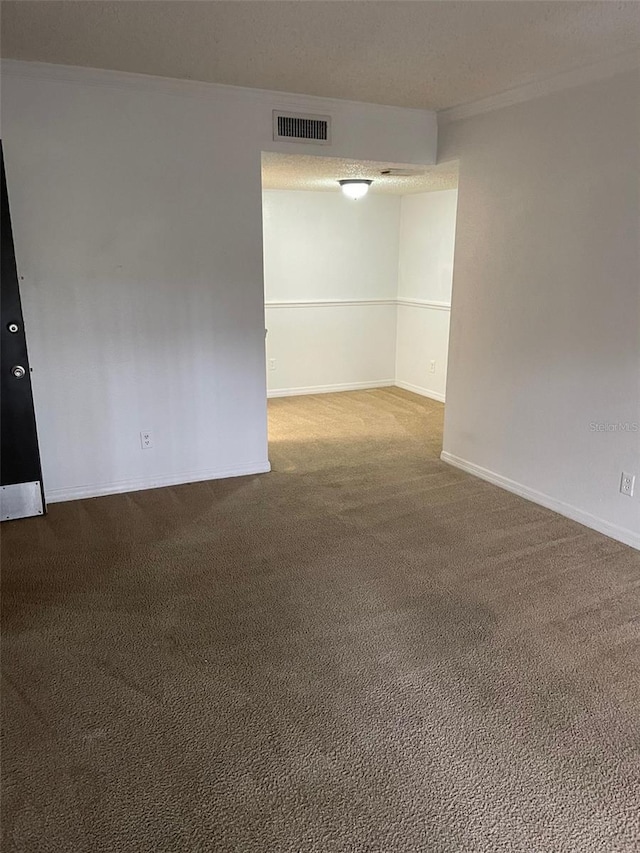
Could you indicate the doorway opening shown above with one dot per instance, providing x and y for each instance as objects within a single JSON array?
[{"x": 357, "y": 293}]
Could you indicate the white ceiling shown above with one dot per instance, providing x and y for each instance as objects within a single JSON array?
[
  {"x": 307, "y": 172},
  {"x": 412, "y": 54}
]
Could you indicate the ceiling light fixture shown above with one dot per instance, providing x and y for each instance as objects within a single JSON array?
[{"x": 355, "y": 188}]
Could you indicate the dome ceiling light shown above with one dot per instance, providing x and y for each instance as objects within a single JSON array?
[{"x": 355, "y": 188}]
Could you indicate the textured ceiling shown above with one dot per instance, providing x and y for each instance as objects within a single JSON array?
[
  {"x": 412, "y": 54},
  {"x": 300, "y": 172}
]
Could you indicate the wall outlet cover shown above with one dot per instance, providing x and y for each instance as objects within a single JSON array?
[{"x": 627, "y": 484}]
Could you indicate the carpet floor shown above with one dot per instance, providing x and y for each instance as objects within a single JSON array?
[{"x": 365, "y": 650}]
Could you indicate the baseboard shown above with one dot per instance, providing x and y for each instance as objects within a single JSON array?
[
  {"x": 424, "y": 392},
  {"x": 76, "y": 493},
  {"x": 330, "y": 389},
  {"x": 621, "y": 534}
]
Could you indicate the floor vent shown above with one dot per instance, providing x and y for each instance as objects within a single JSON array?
[{"x": 298, "y": 127}]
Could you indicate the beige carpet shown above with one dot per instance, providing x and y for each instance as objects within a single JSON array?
[{"x": 366, "y": 650}]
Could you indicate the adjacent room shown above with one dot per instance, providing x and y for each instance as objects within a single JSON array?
[
  {"x": 320, "y": 514},
  {"x": 357, "y": 290}
]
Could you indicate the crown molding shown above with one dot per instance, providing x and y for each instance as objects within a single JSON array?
[
  {"x": 619, "y": 64},
  {"x": 84, "y": 76}
]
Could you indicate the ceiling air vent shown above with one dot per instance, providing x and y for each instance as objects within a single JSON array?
[{"x": 298, "y": 127}]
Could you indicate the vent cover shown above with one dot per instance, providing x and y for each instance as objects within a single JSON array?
[{"x": 299, "y": 127}]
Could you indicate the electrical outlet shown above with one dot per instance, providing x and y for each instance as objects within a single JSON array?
[
  {"x": 432, "y": 366},
  {"x": 627, "y": 484},
  {"x": 272, "y": 364},
  {"x": 146, "y": 439}
]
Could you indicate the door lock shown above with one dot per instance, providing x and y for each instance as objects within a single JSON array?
[
  {"x": 18, "y": 371},
  {"x": 13, "y": 328}
]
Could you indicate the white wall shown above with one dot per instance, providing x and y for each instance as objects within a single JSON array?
[
  {"x": 427, "y": 238},
  {"x": 358, "y": 293},
  {"x": 425, "y": 271},
  {"x": 545, "y": 332},
  {"x": 331, "y": 269},
  {"x": 136, "y": 206}
]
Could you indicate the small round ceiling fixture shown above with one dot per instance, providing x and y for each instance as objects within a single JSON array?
[{"x": 355, "y": 188}]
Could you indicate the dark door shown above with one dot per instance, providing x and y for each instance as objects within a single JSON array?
[{"x": 21, "y": 492}]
